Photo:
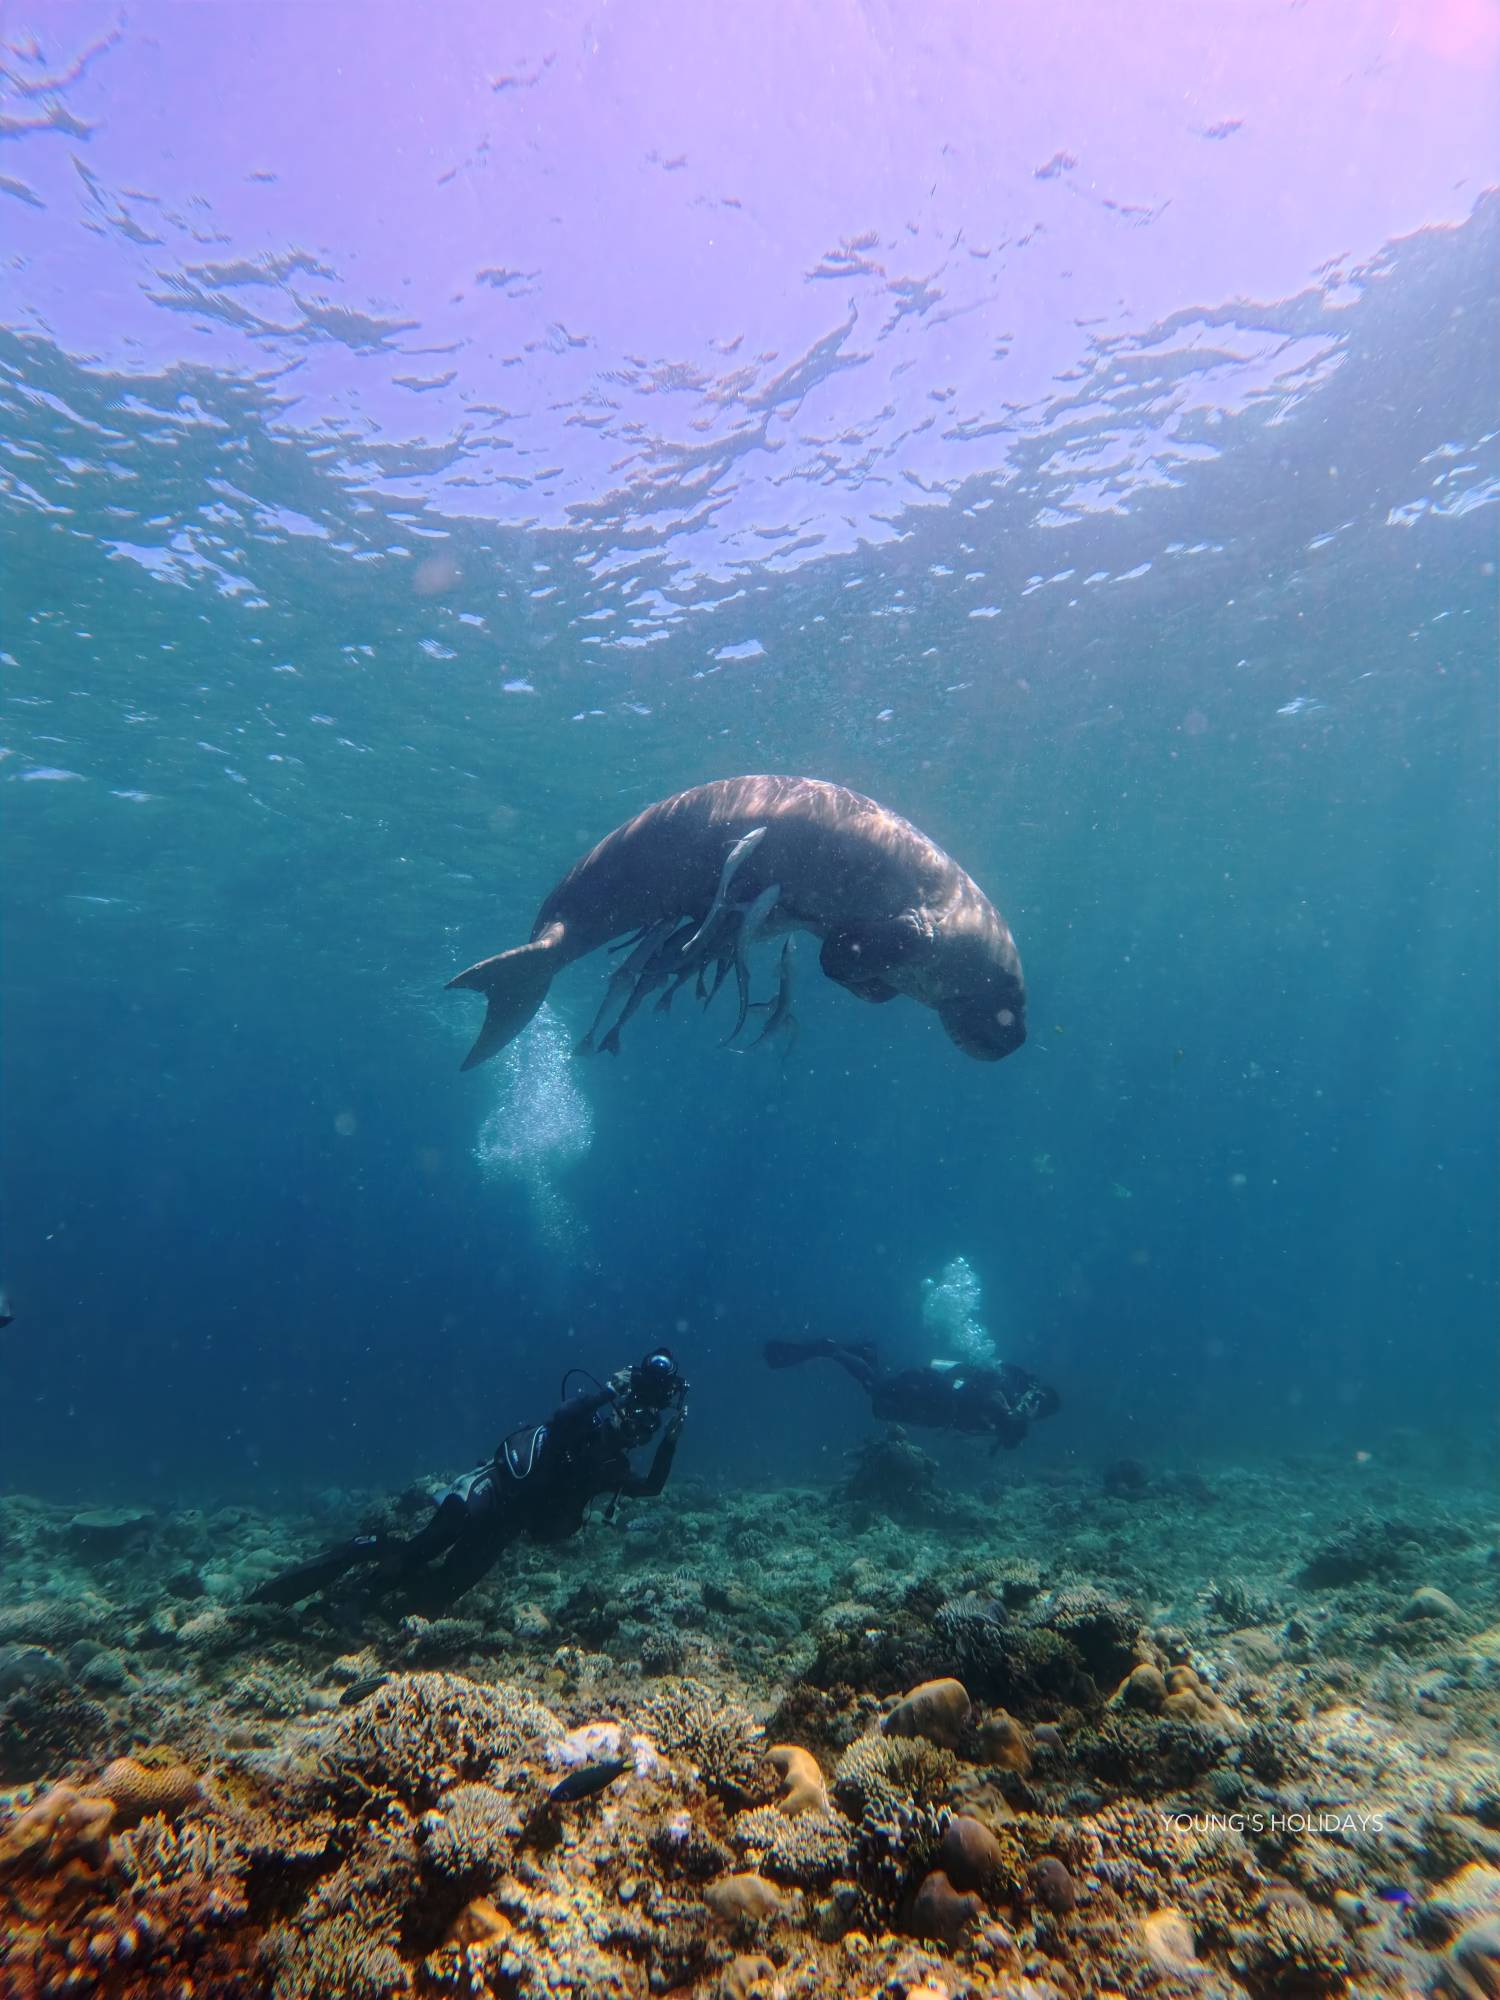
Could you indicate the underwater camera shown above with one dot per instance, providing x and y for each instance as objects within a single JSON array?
[{"x": 644, "y": 1390}]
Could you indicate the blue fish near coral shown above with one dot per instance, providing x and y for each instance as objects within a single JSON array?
[{"x": 587, "y": 1783}]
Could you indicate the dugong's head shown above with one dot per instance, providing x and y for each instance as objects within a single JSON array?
[
  {"x": 988, "y": 1028},
  {"x": 979, "y": 993},
  {"x": 962, "y": 962}
]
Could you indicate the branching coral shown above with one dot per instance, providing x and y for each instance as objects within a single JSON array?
[
  {"x": 421, "y": 1734},
  {"x": 878, "y": 1774},
  {"x": 809, "y": 1850},
  {"x": 1149, "y": 1754},
  {"x": 466, "y": 1841},
  {"x": 895, "y": 1849},
  {"x": 1292, "y": 1950},
  {"x": 346, "y": 1937},
  {"x": 1102, "y": 1630},
  {"x": 46, "y": 1727},
  {"x": 1023, "y": 1663},
  {"x": 722, "y": 1739},
  {"x": 157, "y": 1909}
]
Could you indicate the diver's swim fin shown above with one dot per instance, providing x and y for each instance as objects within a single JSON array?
[
  {"x": 514, "y": 984},
  {"x": 307, "y": 1578},
  {"x": 792, "y": 1353}
]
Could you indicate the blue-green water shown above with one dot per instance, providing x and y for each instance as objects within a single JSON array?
[{"x": 284, "y": 748}]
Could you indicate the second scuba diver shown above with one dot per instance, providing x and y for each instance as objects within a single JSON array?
[
  {"x": 998, "y": 1402},
  {"x": 540, "y": 1483}
]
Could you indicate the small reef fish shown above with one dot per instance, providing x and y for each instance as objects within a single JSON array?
[
  {"x": 587, "y": 1783},
  {"x": 362, "y": 1689},
  {"x": 6, "y": 1315},
  {"x": 894, "y": 915}
]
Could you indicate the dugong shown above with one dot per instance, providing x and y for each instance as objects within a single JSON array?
[{"x": 894, "y": 913}]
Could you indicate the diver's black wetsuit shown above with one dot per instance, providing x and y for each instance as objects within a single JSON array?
[
  {"x": 539, "y": 1483},
  {"x": 994, "y": 1402}
]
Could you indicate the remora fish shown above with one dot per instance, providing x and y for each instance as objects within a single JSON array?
[
  {"x": 657, "y": 968},
  {"x": 591, "y": 1779},
  {"x": 780, "y": 1020},
  {"x": 894, "y": 914},
  {"x": 746, "y": 844},
  {"x": 622, "y": 979},
  {"x": 749, "y": 931}
]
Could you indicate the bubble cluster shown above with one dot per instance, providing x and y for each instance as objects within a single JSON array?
[
  {"x": 540, "y": 1122},
  {"x": 950, "y": 1310}
]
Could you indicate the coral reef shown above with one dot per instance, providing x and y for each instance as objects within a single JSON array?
[
  {"x": 1040, "y": 1744},
  {"x": 891, "y": 1474}
]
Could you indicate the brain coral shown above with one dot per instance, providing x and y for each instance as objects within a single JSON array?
[{"x": 138, "y": 1789}]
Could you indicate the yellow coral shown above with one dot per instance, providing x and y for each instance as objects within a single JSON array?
[
  {"x": 803, "y": 1789},
  {"x": 744, "y": 1899},
  {"x": 479, "y": 1926}
]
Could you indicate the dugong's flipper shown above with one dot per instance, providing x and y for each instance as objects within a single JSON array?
[{"x": 514, "y": 985}]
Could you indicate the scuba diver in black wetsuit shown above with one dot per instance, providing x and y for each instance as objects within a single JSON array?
[
  {"x": 540, "y": 1483},
  {"x": 996, "y": 1402}
]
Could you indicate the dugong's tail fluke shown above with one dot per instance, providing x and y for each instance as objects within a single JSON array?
[{"x": 514, "y": 984}]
